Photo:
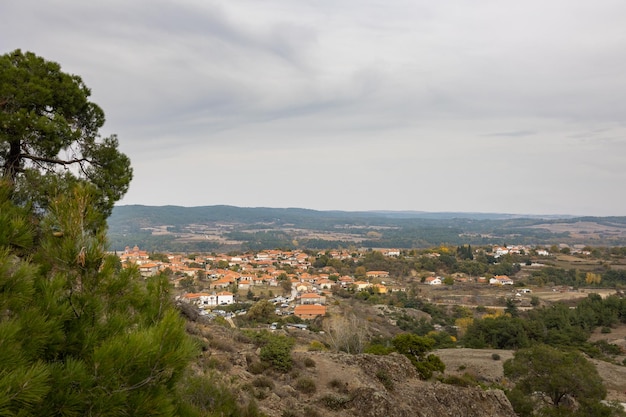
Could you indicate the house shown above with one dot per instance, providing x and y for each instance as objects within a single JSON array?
[
  {"x": 309, "y": 311},
  {"x": 377, "y": 274},
  {"x": 433, "y": 281},
  {"x": 501, "y": 280},
  {"x": 222, "y": 283},
  {"x": 312, "y": 298},
  {"x": 204, "y": 299},
  {"x": 380, "y": 289},
  {"x": 362, "y": 285},
  {"x": 149, "y": 269},
  {"x": 391, "y": 252},
  {"x": 224, "y": 298},
  {"x": 325, "y": 284},
  {"x": 199, "y": 299},
  {"x": 346, "y": 281}
]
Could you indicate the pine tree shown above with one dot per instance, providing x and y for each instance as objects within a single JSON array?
[{"x": 78, "y": 334}]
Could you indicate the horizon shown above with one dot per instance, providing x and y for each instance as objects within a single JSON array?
[{"x": 563, "y": 215}]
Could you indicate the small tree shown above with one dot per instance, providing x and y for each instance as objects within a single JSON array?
[
  {"x": 276, "y": 351},
  {"x": 556, "y": 376},
  {"x": 415, "y": 348}
]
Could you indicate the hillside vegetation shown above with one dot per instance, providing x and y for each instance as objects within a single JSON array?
[{"x": 224, "y": 228}]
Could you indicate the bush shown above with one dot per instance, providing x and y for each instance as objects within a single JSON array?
[
  {"x": 605, "y": 329},
  {"x": 277, "y": 352},
  {"x": 338, "y": 385},
  {"x": 316, "y": 345},
  {"x": 263, "y": 382},
  {"x": 306, "y": 385},
  {"x": 466, "y": 380},
  {"x": 495, "y": 356},
  {"x": 311, "y": 412},
  {"x": 385, "y": 379},
  {"x": 257, "y": 368},
  {"x": 309, "y": 362},
  {"x": 334, "y": 402}
]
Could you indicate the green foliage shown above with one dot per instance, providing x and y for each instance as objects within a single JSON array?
[
  {"x": 415, "y": 348},
  {"x": 335, "y": 402},
  {"x": 202, "y": 396},
  {"x": 45, "y": 115},
  {"x": 502, "y": 332},
  {"x": 306, "y": 385},
  {"x": 77, "y": 335},
  {"x": 466, "y": 380},
  {"x": 385, "y": 379},
  {"x": 556, "y": 325},
  {"x": 261, "y": 312},
  {"x": 275, "y": 350},
  {"x": 556, "y": 374}
]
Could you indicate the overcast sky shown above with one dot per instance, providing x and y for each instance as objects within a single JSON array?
[{"x": 450, "y": 105}]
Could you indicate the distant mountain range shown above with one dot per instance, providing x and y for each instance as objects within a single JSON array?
[{"x": 221, "y": 227}]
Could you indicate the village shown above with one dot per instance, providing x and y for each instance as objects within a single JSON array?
[{"x": 287, "y": 278}]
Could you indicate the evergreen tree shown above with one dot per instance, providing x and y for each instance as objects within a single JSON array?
[
  {"x": 49, "y": 137},
  {"x": 78, "y": 335}
]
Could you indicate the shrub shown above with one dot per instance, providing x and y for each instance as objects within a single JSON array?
[
  {"x": 316, "y": 345},
  {"x": 306, "y": 385},
  {"x": 309, "y": 362},
  {"x": 277, "y": 352},
  {"x": 605, "y": 329},
  {"x": 385, "y": 379},
  {"x": 257, "y": 367},
  {"x": 311, "y": 412},
  {"x": 378, "y": 349},
  {"x": 338, "y": 385},
  {"x": 334, "y": 402},
  {"x": 495, "y": 356},
  {"x": 211, "y": 362},
  {"x": 263, "y": 382},
  {"x": 466, "y": 380},
  {"x": 221, "y": 344}
]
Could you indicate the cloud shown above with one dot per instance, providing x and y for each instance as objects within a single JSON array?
[{"x": 382, "y": 105}]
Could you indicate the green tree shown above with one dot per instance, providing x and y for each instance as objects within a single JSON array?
[
  {"x": 261, "y": 312},
  {"x": 556, "y": 375},
  {"x": 79, "y": 335},
  {"x": 49, "y": 136},
  {"x": 277, "y": 352},
  {"x": 416, "y": 348}
]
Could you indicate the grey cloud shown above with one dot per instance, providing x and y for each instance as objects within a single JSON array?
[{"x": 359, "y": 89}]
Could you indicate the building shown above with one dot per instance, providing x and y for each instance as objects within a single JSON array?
[{"x": 309, "y": 311}]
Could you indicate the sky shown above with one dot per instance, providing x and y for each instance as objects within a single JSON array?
[{"x": 494, "y": 106}]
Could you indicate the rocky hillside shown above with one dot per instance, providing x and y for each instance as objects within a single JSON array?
[{"x": 322, "y": 383}]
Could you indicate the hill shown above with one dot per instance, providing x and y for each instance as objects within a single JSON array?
[{"x": 223, "y": 228}]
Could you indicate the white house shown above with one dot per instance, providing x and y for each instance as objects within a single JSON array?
[
  {"x": 500, "y": 280},
  {"x": 203, "y": 299},
  {"x": 433, "y": 281}
]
